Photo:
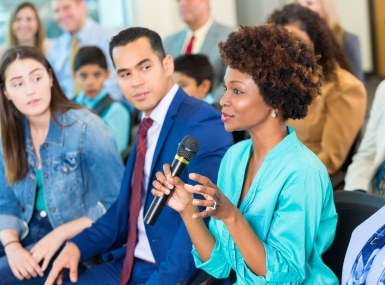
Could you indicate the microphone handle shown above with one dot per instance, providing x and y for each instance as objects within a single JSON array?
[{"x": 177, "y": 167}]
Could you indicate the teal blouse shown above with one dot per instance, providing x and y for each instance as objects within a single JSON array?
[
  {"x": 116, "y": 117},
  {"x": 290, "y": 208},
  {"x": 40, "y": 201}
]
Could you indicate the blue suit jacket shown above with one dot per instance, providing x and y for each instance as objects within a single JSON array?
[{"x": 169, "y": 240}]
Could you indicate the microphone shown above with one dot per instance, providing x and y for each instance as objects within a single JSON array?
[{"x": 187, "y": 149}]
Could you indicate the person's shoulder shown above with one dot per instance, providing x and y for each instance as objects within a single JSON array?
[
  {"x": 80, "y": 116},
  {"x": 174, "y": 36},
  {"x": 118, "y": 109},
  {"x": 101, "y": 29},
  {"x": 223, "y": 30},
  {"x": 197, "y": 107},
  {"x": 347, "y": 80}
]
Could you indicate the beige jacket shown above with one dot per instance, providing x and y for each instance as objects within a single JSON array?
[
  {"x": 371, "y": 153},
  {"x": 333, "y": 120}
]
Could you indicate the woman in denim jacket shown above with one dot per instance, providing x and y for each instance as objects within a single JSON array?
[{"x": 59, "y": 166}]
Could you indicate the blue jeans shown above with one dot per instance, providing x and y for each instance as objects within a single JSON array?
[{"x": 38, "y": 227}]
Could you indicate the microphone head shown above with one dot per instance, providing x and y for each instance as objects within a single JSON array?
[{"x": 188, "y": 147}]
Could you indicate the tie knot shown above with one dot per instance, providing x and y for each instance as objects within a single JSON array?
[{"x": 145, "y": 124}]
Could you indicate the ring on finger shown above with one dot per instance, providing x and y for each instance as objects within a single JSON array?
[{"x": 214, "y": 207}]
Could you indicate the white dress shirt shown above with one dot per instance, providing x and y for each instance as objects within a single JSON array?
[
  {"x": 200, "y": 36},
  {"x": 142, "y": 249}
]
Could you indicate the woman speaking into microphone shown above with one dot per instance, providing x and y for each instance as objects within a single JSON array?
[{"x": 272, "y": 211}]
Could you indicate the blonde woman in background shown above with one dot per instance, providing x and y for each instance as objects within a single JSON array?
[
  {"x": 327, "y": 10},
  {"x": 26, "y": 29}
]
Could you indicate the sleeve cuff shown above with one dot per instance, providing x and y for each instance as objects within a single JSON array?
[
  {"x": 14, "y": 223},
  {"x": 217, "y": 265},
  {"x": 96, "y": 211}
]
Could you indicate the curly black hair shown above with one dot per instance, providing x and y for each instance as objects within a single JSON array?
[
  {"x": 284, "y": 67},
  {"x": 319, "y": 33}
]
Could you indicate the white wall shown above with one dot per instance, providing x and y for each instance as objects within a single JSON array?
[
  {"x": 163, "y": 17},
  {"x": 354, "y": 15}
]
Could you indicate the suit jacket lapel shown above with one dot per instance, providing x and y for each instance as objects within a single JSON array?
[
  {"x": 210, "y": 40},
  {"x": 167, "y": 125}
]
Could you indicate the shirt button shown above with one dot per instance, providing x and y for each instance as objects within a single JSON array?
[
  {"x": 45, "y": 145},
  {"x": 52, "y": 210},
  {"x": 45, "y": 175},
  {"x": 65, "y": 168},
  {"x": 43, "y": 214}
]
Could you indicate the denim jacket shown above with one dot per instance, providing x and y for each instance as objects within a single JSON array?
[{"x": 82, "y": 171}]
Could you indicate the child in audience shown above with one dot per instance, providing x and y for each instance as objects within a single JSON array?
[
  {"x": 59, "y": 166},
  {"x": 194, "y": 73},
  {"x": 91, "y": 70}
]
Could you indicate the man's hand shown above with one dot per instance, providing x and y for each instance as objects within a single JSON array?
[{"x": 68, "y": 258}]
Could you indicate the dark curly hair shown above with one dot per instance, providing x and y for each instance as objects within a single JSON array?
[
  {"x": 319, "y": 33},
  {"x": 284, "y": 67}
]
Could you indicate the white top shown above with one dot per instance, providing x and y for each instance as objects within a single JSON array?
[
  {"x": 142, "y": 249},
  {"x": 371, "y": 153},
  {"x": 200, "y": 36},
  {"x": 359, "y": 238}
]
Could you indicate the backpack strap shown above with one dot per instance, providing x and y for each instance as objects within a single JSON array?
[{"x": 103, "y": 105}]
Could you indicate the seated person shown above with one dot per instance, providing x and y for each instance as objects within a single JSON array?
[
  {"x": 335, "y": 118},
  {"x": 90, "y": 72},
  {"x": 194, "y": 73},
  {"x": 364, "y": 259},
  {"x": 131, "y": 251},
  {"x": 367, "y": 171},
  {"x": 272, "y": 213},
  {"x": 59, "y": 167}
]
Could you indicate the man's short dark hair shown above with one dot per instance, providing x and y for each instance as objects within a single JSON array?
[
  {"x": 196, "y": 66},
  {"x": 132, "y": 34},
  {"x": 90, "y": 55}
]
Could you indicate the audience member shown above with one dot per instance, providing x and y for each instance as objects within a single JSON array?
[
  {"x": 79, "y": 30},
  {"x": 364, "y": 259},
  {"x": 327, "y": 10},
  {"x": 367, "y": 171},
  {"x": 52, "y": 183},
  {"x": 265, "y": 180},
  {"x": 90, "y": 66},
  {"x": 159, "y": 254},
  {"x": 201, "y": 36},
  {"x": 194, "y": 73},
  {"x": 26, "y": 29},
  {"x": 335, "y": 118}
]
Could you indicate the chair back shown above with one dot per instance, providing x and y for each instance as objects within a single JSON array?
[{"x": 353, "y": 208}]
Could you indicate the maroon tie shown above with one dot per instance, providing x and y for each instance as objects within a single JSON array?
[
  {"x": 135, "y": 200},
  {"x": 190, "y": 45}
]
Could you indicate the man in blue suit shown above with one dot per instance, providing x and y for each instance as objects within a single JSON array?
[
  {"x": 202, "y": 36},
  {"x": 162, "y": 253}
]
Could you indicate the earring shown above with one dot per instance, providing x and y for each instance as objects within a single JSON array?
[{"x": 274, "y": 114}]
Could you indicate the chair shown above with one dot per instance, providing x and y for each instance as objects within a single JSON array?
[{"x": 353, "y": 208}]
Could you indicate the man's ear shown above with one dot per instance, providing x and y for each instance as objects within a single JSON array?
[
  {"x": 205, "y": 86},
  {"x": 168, "y": 65}
]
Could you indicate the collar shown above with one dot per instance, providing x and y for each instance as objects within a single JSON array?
[
  {"x": 84, "y": 32},
  {"x": 202, "y": 31},
  {"x": 55, "y": 132},
  {"x": 82, "y": 99},
  {"x": 209, "y": 99},
  {"x": 289, "y": 141},
  {"x": 160, "y": 111}
]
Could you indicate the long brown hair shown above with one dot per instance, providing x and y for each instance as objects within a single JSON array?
[
  {"x": 11, "y": 119},
  {"x": 40, "y": 34}
]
